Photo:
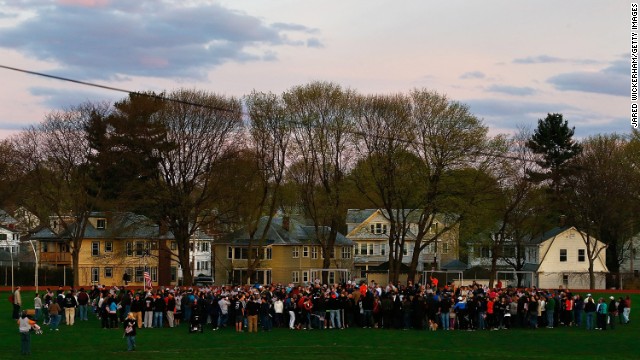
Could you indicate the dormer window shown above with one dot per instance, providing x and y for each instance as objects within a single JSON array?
[
  {"x": 378, "y": 228},
  {"x": 101, "y": 224}
]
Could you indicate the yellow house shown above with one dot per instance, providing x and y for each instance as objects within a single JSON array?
[
  {"x": 290, "y": 253},
  {"x": 119, "y": 243},
  {"x": 369, "y": 230}
]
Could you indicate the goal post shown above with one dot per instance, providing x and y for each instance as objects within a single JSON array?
[
  {"x": 511, "y": 276},
  {"x": 446, "y": 275}
]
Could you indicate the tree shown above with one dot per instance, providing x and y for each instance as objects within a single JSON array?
[
  {"x": 269, "y": 137},
  {"x": 553, "y": 142},
  {"x": 449, "y": 138},
  {"x": 320, "y": 114},
  {"x": 201, "y": 135},
  {"x": 601, "y": 197},
  {"x": 125, "y": 160},
  {"x": 56, "y": 157},
  {"x": 384, "y": 173}
]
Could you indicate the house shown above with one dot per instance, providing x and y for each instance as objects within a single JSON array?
[
  {"x": 9, "y": 245},
  {"x": 561, "y": 259},
  {"x": 200, "y": 254},
  {"x": 290, "y": 253},
  {"x": 369, "y": 230},
  {"x": 113, "y": 244}
]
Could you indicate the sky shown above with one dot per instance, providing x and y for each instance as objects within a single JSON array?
[{"x": 511, "y": 62}]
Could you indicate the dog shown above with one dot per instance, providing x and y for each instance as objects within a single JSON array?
[{"x": 433, "y": 326}]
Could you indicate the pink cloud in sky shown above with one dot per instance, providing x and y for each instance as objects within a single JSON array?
[{"x": 85, "y": 3}]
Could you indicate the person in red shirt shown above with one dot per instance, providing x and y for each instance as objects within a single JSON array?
[{"x": 434, "y": 282}]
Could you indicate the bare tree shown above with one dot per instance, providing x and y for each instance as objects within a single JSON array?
[
  {"x": 269, "y": 137},
  {"x": 323, "y": 131},
  {"x": 448, "y": 139},
  {"x": 384, "y": 173},
  {"x": 202, "y": 135},
  {"x": 55, "y": 155}
]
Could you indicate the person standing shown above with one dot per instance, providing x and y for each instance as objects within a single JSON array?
[
  {"x": 24, "y": 326},
  {"x": 83, "y": 301},
  {"x": 613, "y": 312},
  {"x": 70, "y": 304},
  {"x": 130, "y": 328},
  {"x": 17, "y": 303},
  {"x": 602, "y": 314},
  {"x": 171, "y": 309},
  {"x": 37, "y": 305},
  {"x": 54, "y": 315},
  {"x": 136, "y": 309},
  {"x": 589, "y": 311},
  {"x": 159, "y": 307}
]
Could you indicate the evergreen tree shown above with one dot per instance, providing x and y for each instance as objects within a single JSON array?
[{"x": 553, "y": 142}]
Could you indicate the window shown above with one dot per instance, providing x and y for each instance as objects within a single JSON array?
[
  {"x": 305, "y": 251},
  {"x": 295, "y": 277},
  {"x": 154, "y": 273},
  {"x": 565, "y": 280},
  {"x": 305, "y": 276},
  {"x": 332, "y": 277},
  {"x": 346, "y": 252},
  {"x": 139, "y": 274},
  {"x": 108, "y": 246},
  {"x": 129, "y": 248},
  {"x": 563, "y": 255},
  {"x": 485, "y": 252},
  {"x": 405, "y": 250},
  {"x": 314, "y": 252},
  {"x": 332, "y": 252},
  {"x": 95, "y": 274},
  {"x": 295, "y": 252},
  {"x": 433, "y": 229},
  {"x": 140, "y": 248},
  {"x": 129, "y": 272},
  {"x": 581, "y": 255},
  {"x": 267, "y": 253},
  {"x": 3, "y": 236},
  {"x": 108, "y": 272},
  {"x": 153, "y": 244},
  {"x": 378, "y": 228},
  {"x": 445, "y": 248},
  {"x": 174, "y": 273},
  {"x": 174, "y": 245},
  {"x": 101, "y": 224},
  {"x": 204, "y": 247},
  {"x": 229, "y": 252},
  {"x": 95, "y": 248}
]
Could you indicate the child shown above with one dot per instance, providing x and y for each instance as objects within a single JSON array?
[{"x": 130, "y": 326}]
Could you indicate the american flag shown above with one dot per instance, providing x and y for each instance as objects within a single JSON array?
[{"x": 147, "y": 279}]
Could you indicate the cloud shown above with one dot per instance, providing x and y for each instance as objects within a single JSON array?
[
  {"x": 63, "y": 99},
  {"x": 473, "y": 75},
  {"x": 612, "y": 80},
  {"x": 506, "y": 114},
  {"x": 540, "y": 59},
  {"x": 314, "y": 43},
  {"x": 95, "y": 39},
  {"x": 512, "y": 90}
]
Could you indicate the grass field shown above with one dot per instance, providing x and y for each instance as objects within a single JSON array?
[{"x": 86, "y": 340}]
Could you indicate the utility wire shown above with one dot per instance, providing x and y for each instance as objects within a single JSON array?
[
  {"x": 217, "y": 108},
  {"x": 151, "y": 95}
]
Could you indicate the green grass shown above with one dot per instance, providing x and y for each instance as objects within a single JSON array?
[{"x": 86, "y": 340}]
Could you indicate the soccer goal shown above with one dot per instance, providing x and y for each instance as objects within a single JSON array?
[
  {"x": 510, "y": 278},
  {"x": 444, "y": 276}
]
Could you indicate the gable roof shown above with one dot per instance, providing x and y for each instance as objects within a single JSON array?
[
  {"x": 549, "y": 234},
  {"x": 277, "y": 234},
  {"x": 120, "y": 225},
  {"x": 6, "y": 219}
]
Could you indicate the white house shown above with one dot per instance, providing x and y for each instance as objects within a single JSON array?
[
  {"x": 9, "y": 241},
  {"x": 562, "y": 259},
  {"x": 200, "y": 254},
  {"x": 369, "y": 230}
]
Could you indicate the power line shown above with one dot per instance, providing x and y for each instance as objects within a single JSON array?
[
  {"x": 217, "y": 108},
  {"x": 86, "y": 83}
]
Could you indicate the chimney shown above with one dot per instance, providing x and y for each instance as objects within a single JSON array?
[{"x": 562, "y": 220}]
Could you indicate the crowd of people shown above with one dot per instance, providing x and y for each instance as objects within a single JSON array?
[{"x": 335, "y": 306}]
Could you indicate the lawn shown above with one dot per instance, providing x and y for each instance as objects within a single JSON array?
[{"x": 86, "y": 340}]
